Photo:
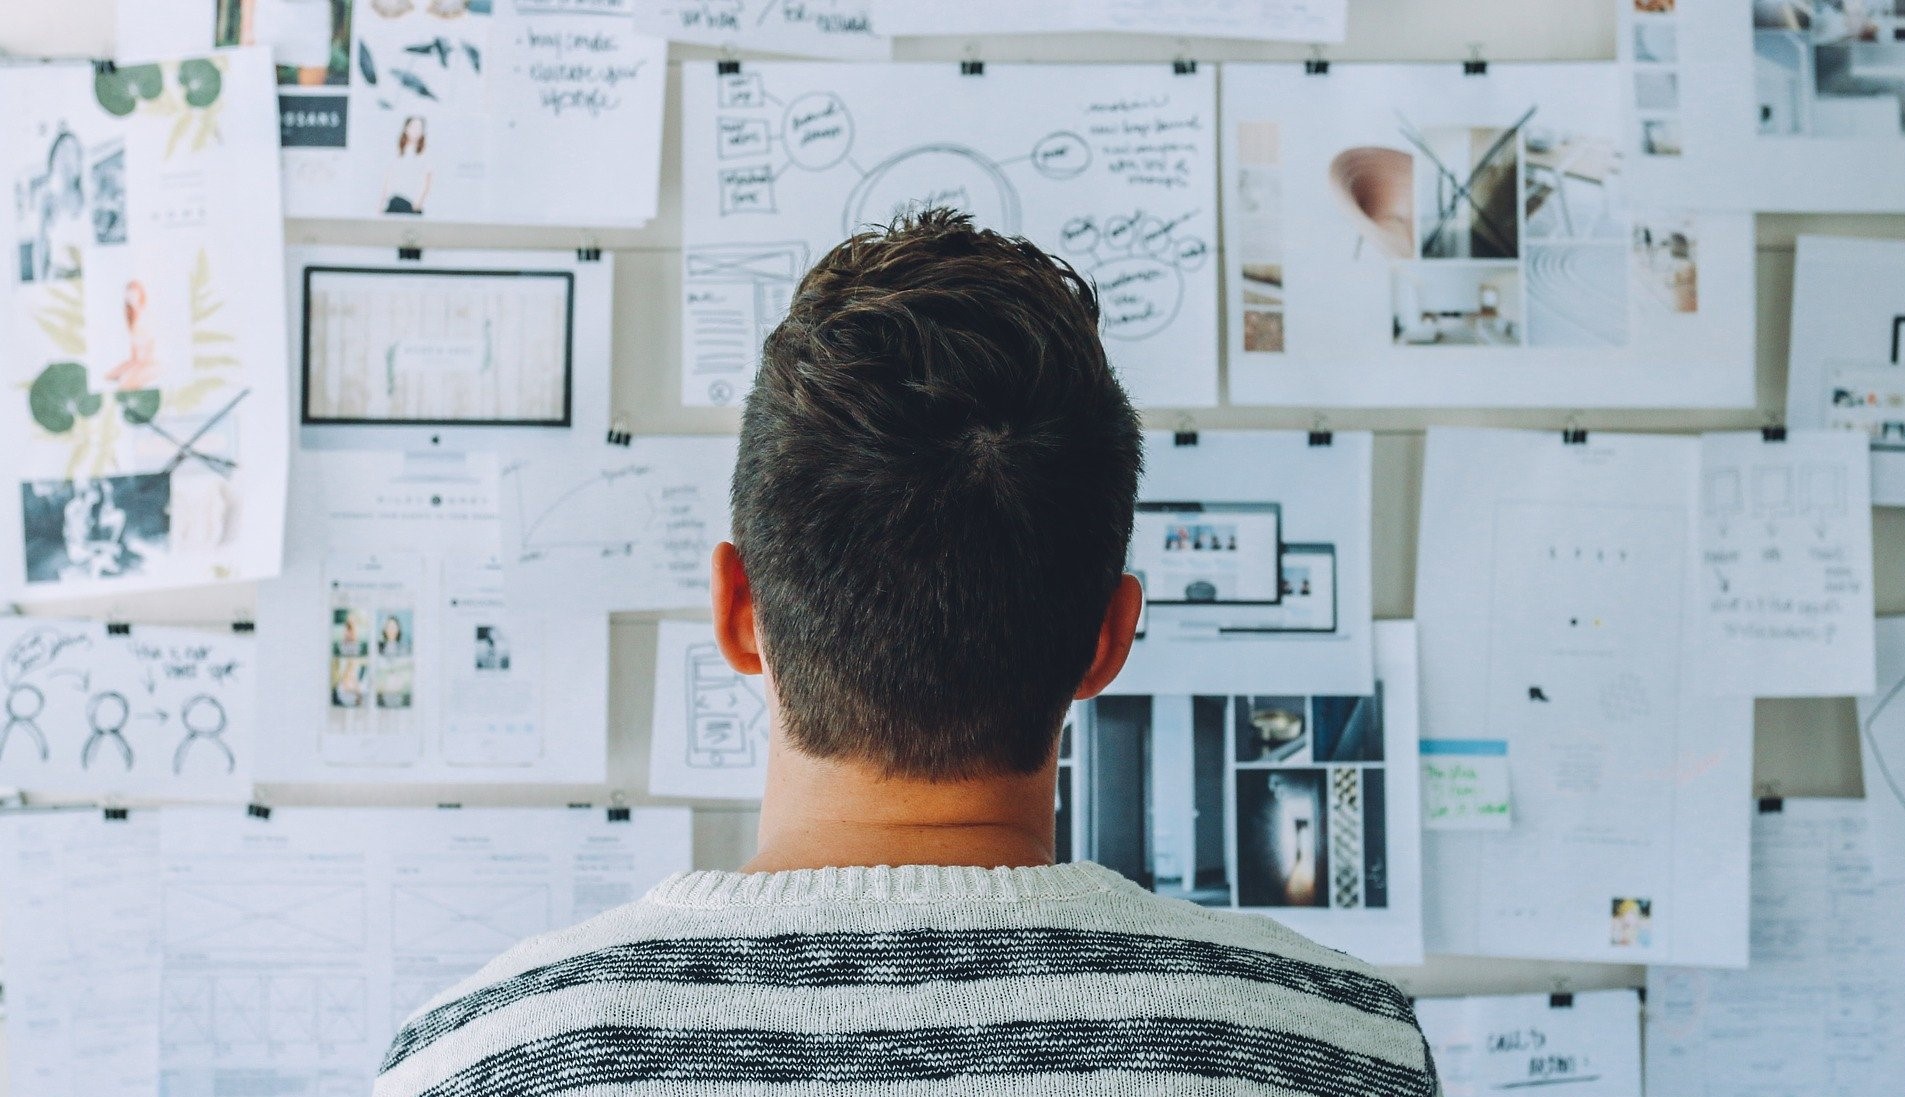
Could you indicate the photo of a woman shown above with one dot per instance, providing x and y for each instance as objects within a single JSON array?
[
  {"x": 53, "y": 249},
  {"x": 140, "y": 369},
  {"x": 407, "y": 182}
]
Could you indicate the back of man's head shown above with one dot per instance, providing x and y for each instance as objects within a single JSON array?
[{"x": 934, "y": 500}]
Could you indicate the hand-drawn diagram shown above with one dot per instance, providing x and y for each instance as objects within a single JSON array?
[
  {"x": 727, "y": 715},
  {"x": 284, "y": 916},
  {"x": 253, "y": 1010},
  {"x": 1113, "y": 168},
  {"x": 150, "y": 709},
  {"x": 709, "y": 729},
  {"x": 634, "y": 533}
]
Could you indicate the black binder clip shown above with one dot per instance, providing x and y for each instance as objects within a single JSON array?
[
  {"x": 105, "y": 67},
  {"x": 1475, "y": 66},
  {"x": 1184, "y": 66},
  {"x": 244, "y": 627},
  {"x": 590, "y": 254},
  {"x": 410, "y": 253},
  {"x": 115, "y": 815},
  {"x": 1561, "y": 999},
  {"x": 1573, "y": 433},
  {"x": 258, "y": 811},
  {"x": 1317, "y": 65},
  {"x": 1772, "y": 805},
  {"x": 118, "y": 628},
  {"x": 1322, "y": 438},
  {"x": 729, "y": 67},
  {"x": 447, "y": 806},
  {"x": 619, "y": 434},
  {"x": 618, "y": 814},
  {"x": 1772, "y": 434},
  {"x": 972, "y": 68}
]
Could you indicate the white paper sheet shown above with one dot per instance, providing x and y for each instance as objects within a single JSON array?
[
  {"x": 511, "y": 111},
  {"x": 617, "y": 527},
  {"x": 1407, "y": 235},
  {"x": 847, "y": 29},
  {"x": 460, "y": 349},
  {"x": 1287, "y": 20},
  {"x": 1882, "y": 751},
  {"x": 154, "y": 712},
  {"x": 1303, "y": 807},
  {"x": 1113, "y": 167},
  {"x": 1786, "y": 569},
  {"x": 1254, "y": 550},
  {"x": 1844, "y": 369},
  {"x": 81, "y": 953},
  {"x": 1769, "y": 105},
  {"x": 708, "y": 738},
  {"x": 295, "y": 946},
  {"x": 1587, "y": 1042},
  {"x": 395, "y": 651},
  {"x": 1821, "y": 1012},
  {"x": 142, "y": 426},
  {"x": 1555, "y": 592}
]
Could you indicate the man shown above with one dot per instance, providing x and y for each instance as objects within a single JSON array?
[{"x": 931, "y": 510}]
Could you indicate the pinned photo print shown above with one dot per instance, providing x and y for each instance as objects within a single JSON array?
[
  {"x": 350, "y": 683},
  {"x": 94, "y": 529},
  {"x": 393, "y": 632},
  {"x": 1272, "y": 729},
  {"x": 1666, "y": 260},
  {"x": 1631, "y": 924},
  {"x": 1282, "y": 839},
  {"x": 1457, "y": 304},
  {"x": 492, "y": 648},
  {"x": 350, "y": 632}
]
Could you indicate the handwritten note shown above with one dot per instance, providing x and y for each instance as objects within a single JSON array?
[
  {"x": 1465, "y": 784},
  {"x": 845, "y": 29},
  {"x": 1588, "y": 1042},
  {"x": 1786, "y": 565}
]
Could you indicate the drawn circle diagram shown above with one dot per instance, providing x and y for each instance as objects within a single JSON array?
[
  {"x": 934, "y": 175},
  {"x": 108, "y": 712},
  {"x": 203, "y": 716},
  {"x": 1062, "y": 155},
  {"x": 817, "y": 131},
  {"x": 1138, "y": 262},
  {"x": 25, "y": 702}
]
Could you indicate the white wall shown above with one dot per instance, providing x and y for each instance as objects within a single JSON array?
[{"x": 1803, "y": 747}]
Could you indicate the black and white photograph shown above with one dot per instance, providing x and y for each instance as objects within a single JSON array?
[
  {"x": 94, "y": 529},
  {"x": 492, "y": 648},
  {"x": 1282, "y": 838}
]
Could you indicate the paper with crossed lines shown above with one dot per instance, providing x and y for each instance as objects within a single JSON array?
[
  {"x": 81, "y": 952},
  {"x": 294, "y": 946}
]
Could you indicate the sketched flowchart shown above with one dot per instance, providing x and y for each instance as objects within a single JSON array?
[{"x": 1114, "y": 171}]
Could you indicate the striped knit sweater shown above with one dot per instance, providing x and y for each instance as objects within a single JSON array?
[{"x": 910, "y": 981}]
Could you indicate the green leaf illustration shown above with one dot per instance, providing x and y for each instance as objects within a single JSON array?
[
  {"x": 60, "y": 397},
  {"x": 145, "y": 80},
  {"x": 201, "y": 81},
  {"x": 140, "y": 406}
]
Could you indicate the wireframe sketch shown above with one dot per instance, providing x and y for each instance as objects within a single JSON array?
[
  {"x": 475, "y": 918},
  {"x": 154, "y": 709},
  {"x": 1113, "y": 169},
  {"x": 286, "y": 916},
  {"x": 727, "y": 714}
]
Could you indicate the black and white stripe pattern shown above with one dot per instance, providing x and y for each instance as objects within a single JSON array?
[
  {"x": 907, "y": 958},
  {"x": 903, "y": 982}
]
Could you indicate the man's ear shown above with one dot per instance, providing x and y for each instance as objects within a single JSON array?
[
  {"x": 1115, "y": 634},
  {"x": 734, "y": 611}
]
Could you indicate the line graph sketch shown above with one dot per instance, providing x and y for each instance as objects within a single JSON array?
[
  {"x": 1113, "y": 167},
  {"x": 636, "y": 530},
  {"x": 255, "y": 916},
  {"x": 484, "y": 918}
]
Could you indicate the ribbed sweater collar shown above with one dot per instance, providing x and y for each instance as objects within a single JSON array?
[{"x": 884, "y": 884}]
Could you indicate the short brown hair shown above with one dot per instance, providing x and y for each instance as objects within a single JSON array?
[{"x": 933, "y": 500}]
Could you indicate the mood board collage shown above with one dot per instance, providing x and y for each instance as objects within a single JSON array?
[{"x": 410, "y": 454}]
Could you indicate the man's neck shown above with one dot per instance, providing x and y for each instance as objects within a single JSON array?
[{"x": 830, "y": 814}]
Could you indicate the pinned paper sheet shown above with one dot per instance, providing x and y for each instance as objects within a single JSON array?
[
  {"x": 1844, "y": 370},
  {"x": 1286, "y": 20},
  {"x": 1465, "y": 784},
  {"x": 152, "y": 710},
  {"x": 1821, "y": 1010},
  {"x": 617, "y": 527},
  {"x": 1882, "y": 750},
  {"x": 709, "y": 736},
  {"x": 1786, "y": 568},
  {"x": 1588, "y": 1043}
]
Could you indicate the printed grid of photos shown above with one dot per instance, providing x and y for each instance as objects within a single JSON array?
[
  {"x": 1827, "y": 68},
  {"x": 1241, "y": 801},
  {"x": 373, "y": 650},
  {"x": 1656, "y": 59}
]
